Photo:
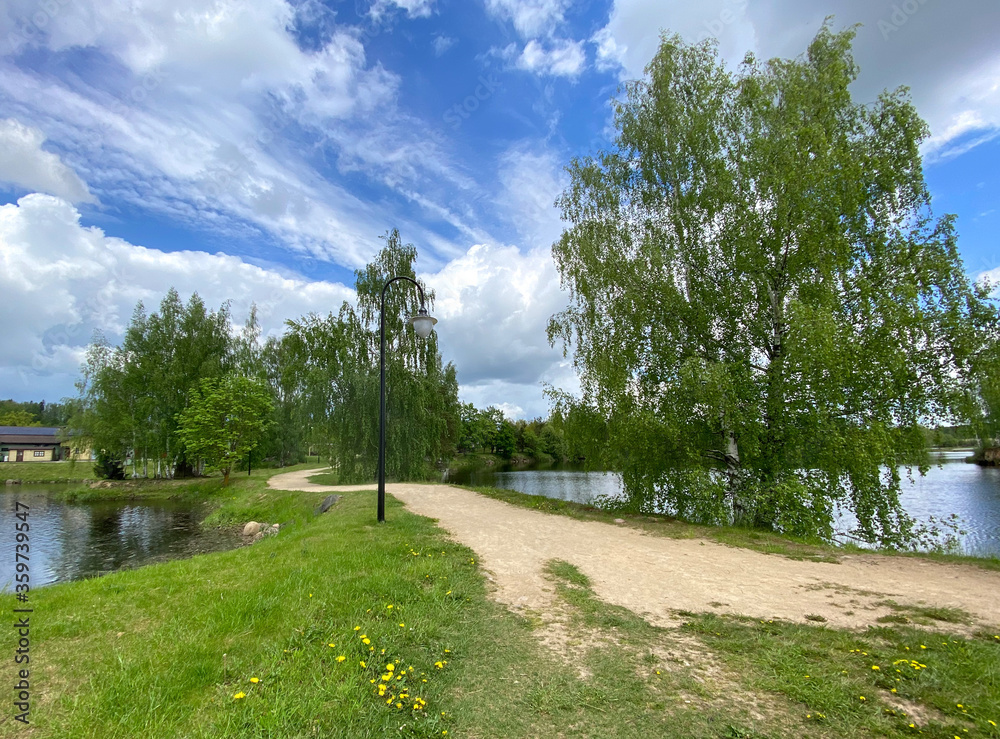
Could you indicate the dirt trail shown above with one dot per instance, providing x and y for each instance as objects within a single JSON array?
[{"x": 654, "y": 576}]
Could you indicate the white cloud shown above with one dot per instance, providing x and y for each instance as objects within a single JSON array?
[
  {"x": 413, "y": 8},
  {"x": 532, "y": 179},
  {"x": 214, "y": 116},
  {"x": 531, "y": 18},
  {"x": 441, "y": 44},
  {"x": 562, "y": 58},
  {"x": 946, "y": 53},
  {"x": 61, "y": 281},
  {"x": 24, "y": 163},
  {"x": 494, "y": 304},
  {"x": 610, "y": 55}
]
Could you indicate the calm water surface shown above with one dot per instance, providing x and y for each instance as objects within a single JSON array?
[
  {"x": 71, "y": 541},
  {"x": 968, "y": 490}
]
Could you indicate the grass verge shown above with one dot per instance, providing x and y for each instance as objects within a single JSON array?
[
  {"x": 28, "y": 472},
  {"x": 766, "y": 678}
]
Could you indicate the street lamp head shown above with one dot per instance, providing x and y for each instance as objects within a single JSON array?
[{"x": 423, "y": 323}]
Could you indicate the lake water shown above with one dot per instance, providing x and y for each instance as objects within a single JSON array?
[
  {"x": 71, "y": 541},
  {"x": 955, "y": 487}
]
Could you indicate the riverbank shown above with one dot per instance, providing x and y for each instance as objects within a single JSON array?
[
  {"x": 239, "y": 644},
  {"x": 17, "y": 473}
]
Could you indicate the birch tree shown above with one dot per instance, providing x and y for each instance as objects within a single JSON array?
[{"x": 763, "y": 305}]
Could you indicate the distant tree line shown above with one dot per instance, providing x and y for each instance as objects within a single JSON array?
[
  {"x": 489, "y": 431},
  {"x": 30, "y": 413}
]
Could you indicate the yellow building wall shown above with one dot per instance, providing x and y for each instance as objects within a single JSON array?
[
  {"x": 84, "y": 454},
  {"x": 29, "y": 455}
]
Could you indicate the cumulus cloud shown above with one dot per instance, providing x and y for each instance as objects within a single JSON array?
[
  {"x": 946, "y": 53},
  {"x": 494, "y": 304},
  {"x": 61, "y": 281},
  {"x": 25, "y": 164},
  {"x": 530, "y": 17},
  {"x": 559, "y": 58}
]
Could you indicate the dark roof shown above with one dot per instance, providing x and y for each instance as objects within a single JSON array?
[{"x": 29, "y": 430}]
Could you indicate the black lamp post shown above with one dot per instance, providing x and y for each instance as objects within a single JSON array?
[{"x": 423, "y": 324}]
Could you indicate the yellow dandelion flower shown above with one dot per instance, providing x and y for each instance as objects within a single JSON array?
[
  {"x": 862, "y": 697},
  {"x": 341, "y": 658},
  {"x": 992, "y": 723},
  {"x": 402, "y": 625},
  {"x": 390, "y": 667},
  {"x": 254, "y": 680},
  {"x": 400, "y": 705},
  {"x": 239, "y": 695},
  {"x": 366, "y": 641},
  {"x": 331, "y": 645},
  {"x": 875, "y": 667},
  {"x": 362, "y": 663},
  {"x": 439, "y": 665},
  {"x": 389, "y": 607}
]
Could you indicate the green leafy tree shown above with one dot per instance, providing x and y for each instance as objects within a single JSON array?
[
  {"x": 224, "y": 421},
  {"x": 334, "y": 361},
  {"x": 131, "y": 394},
  {"x": 18, "y": 418},
  {"x": 763, "y": 307}
]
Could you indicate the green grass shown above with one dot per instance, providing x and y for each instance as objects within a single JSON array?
[
  {"x": 28, "y": 472},
  {"x": 329, "y": 477},
  {"x": 745, "y": 538},
  {"x": 162, "y": 650},
  {"x": 808, "y": 680}
]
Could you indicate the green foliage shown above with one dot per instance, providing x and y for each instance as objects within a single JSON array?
[
  {"x": 18, "y": 418},
  {"x": 132, "y": 394},
  {"x": 109, "y": 467},
  {"x": 334, "y": 364},
  {"x": 763, "y": 308},
  {"x": 30, "y": 413},
  {"x": 224, "y": 420}
]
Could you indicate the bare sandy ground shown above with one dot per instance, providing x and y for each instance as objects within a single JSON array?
[{"x": 655, "y": 576}]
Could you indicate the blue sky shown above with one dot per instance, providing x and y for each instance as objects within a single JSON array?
[{"x": 257, "y": 151}]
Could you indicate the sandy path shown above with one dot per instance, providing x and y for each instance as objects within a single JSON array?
[{"x": 653, "y": 575}]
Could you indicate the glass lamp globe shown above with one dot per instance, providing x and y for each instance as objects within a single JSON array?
[{"x": 423, "y": 323}]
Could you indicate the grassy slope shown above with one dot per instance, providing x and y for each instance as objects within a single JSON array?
[
  {"x": 47, "y": 471},
  {"x": 161, "y": 651}
]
